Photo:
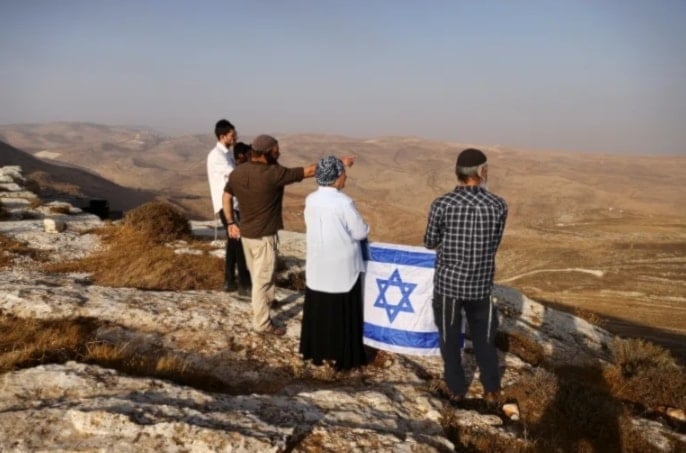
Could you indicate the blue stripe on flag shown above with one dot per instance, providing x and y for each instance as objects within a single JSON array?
[
  {"x": 402, "y": 338},
  {"x": 404, "y": 257}
]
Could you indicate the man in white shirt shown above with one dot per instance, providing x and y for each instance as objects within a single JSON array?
[{"x": 220, "y": 164}]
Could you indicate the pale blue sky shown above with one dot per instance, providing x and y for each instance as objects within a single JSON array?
[{"x": 600, "y": 75}]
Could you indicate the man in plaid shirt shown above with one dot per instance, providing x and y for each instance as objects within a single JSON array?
[{"x": 466, "y": 226}]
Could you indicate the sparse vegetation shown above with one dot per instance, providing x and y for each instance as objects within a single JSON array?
[
  {"x": 136, "y": 256},
  {"x": 29, "y": 342},
  {"x": 9, "y": 248},
  {"x": 589, "y": 316},
  {"x": 646, "y": 374},
  {"x": 568, "y": 409},
  {"x": 60, "y": 209},
  {"x": 522, "y": 346},
  {"x": 158, "y": 222},
  {"x": 576, "y": 409}
]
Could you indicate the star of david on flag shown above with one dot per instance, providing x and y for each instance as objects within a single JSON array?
[
  {"x": 405, "y": 288},
  {"x": 398, "y": 290}
]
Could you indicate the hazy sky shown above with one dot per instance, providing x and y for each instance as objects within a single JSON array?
[{"x": 596, "y": 75}]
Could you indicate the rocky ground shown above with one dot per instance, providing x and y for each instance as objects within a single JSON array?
[{"x": 258, "y": 396}]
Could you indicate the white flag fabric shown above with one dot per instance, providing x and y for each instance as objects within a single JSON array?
[{"x": 398, "y": 289}]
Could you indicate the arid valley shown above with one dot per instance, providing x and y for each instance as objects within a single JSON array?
[{"x": 601, "y": 235}]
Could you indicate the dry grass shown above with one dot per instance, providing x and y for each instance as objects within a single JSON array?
[
  {"x": 10, "y": 248},
  {"x": 27, "y": 342},
  {"x": 590, "y": 317},
  {"x": 60, "y": 209},
  {"x": 588, "y": 408},
  {"x": 521, "y": 345},
  {"x": 30, "y": 342},
  {"x": 646, "y": 374},
  {"x": 571, "y": 408},
  {"x": 135, "y": 254}
]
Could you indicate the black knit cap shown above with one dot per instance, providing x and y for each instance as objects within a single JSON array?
[
  {"x": 471, "y": 157},
  {"x": 263, "y": 143}
]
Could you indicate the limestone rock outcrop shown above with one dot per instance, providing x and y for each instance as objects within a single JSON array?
[{"x": 259, "y": 396}]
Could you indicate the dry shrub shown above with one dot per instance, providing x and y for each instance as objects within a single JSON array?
[
  {"x": 534, "y": 394},
  {"x": 60, "y": 209},
  {"x": 571, "y": 409},
  {"x": 527, "y": 348},
  {"x": 158, "y": 222},
  {"x": 589, "y": 316},
  {"x": 646, "y": 374},
  {"x": 134, "y": 257}
]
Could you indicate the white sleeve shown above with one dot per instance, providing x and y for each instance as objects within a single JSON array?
[{"x": 356, "y": 225}]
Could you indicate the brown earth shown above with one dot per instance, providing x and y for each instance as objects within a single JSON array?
[{"x": 592, "y": 232}]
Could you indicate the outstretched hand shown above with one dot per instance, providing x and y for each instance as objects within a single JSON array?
[{"x": 348, "y": 161}]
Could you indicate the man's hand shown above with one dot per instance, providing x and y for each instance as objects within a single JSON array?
[
  {"x": 348, "y": 161},
  {"x": 234, "y": 231}
]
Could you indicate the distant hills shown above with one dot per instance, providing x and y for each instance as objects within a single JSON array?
[
  {"x": 57, "y": 179},
  {"x": 394, "y": 179}
]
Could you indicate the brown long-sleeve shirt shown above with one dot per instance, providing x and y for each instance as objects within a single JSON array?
[{"x": 259, "y": 188}]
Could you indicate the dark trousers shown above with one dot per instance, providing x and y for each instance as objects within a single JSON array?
[
  {"x": 448, "y": 318},
  {"x": 235, "y": 258}
]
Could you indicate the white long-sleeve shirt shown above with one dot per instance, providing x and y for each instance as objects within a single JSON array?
[
  {"x": 220, "y": 164},
  {"x": 334, "y": 231}
]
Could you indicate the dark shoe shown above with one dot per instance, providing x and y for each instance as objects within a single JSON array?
[
  {"x": 230, "y": 287},
  {"x": 244, "y": 291},
  {"x": 456, "y": 400},
  {"x": 273, "y": 329},
  {"x": 275, "y": 303}
]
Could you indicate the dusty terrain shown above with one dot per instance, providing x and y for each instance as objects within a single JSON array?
[{"x": 592, "y": 233}]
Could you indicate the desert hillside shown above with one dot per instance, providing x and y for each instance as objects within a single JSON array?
[
  {"x": 115, "y": 337},
  {"x": 594, "y": 233},
  {"x": 57, "y": 179}
]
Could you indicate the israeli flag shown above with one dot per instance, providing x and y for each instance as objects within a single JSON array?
[{"x": 398, "y": 289}]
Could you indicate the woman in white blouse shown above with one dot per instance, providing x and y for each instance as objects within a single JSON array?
[{"x": 332, "y": 313}]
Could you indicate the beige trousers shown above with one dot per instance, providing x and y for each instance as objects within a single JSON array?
[{"x": 260, "y": 257}]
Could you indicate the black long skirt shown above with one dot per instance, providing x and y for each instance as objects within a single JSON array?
[{"x": 332, "y": 327}]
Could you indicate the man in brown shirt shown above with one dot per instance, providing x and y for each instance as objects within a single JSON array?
[{"x": 259, "y": 184}]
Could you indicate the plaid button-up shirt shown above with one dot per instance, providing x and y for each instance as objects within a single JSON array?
[{"x": 465, "y": 226}]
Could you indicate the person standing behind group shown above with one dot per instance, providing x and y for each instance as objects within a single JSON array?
[
  {"x": 332, "y": 313},
  {"x": 241, "y": 153},
  {"x": 466, "y": 226},
  {"x": 220, "y": 164},
  {"x": 259, "y": 184}
]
